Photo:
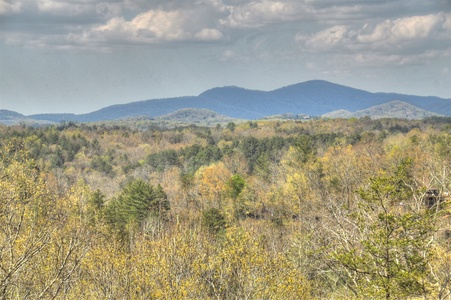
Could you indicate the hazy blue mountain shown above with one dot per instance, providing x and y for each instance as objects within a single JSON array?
[
  {"x": 313, "y": 98},
  {"x": 9, "y": 114},
  {"x": 57, "y": 117},
  {"x": 151, "y": 108},
  {"x": 392, "y": 109},
  {"x": 8, "y": 117}
]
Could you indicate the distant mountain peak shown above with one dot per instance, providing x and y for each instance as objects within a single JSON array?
[
  {"x": 312, "y": 98},
  {"x": 224, "y": 91},
  {"x": 9, "y": 117},
  {"x": 4, "y": 113},
  {"x": 323, "y": 85}
]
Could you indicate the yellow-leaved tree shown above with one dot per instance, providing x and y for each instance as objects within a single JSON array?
[
  {"x": 42, "y": 241},
  {"x": 212, "y": 184}
]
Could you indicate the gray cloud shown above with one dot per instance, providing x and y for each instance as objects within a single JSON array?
[
  {"x": 360, "y": 31},
  {"x": 406, "y": 40},
  {"x": 157, "y": 25},
  {"x": 93, "y": 22},
  {"x": 194, "y": 44},
  {"x": 8, "y": 7}
]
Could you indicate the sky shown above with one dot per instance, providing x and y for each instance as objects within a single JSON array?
[{"x": 77, "y": 56}]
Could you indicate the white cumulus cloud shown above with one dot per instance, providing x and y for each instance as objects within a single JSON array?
[
  {"x": 402, "y": 29},
  {"x": 402, "y": 35},
  {"x": 209, "y": 34},
  {"x": 155, "y": 26}
]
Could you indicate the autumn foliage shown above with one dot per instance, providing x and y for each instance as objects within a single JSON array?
[{"x": 318, "y": 209}]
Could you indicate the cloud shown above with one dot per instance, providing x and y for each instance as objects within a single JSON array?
[
  {"x": 255, "y": 14},
  {"x": 209, "y": 34},
  {"x": 350, "y": 25},
  {"x": 392, "y": 38},
  {"x": 402, "y": 29},
  {"x": 36, "y": 9},
  {"x": 10, "y": 7},
  {"x": 156, "y": 26},
  {"x": 260, "y": 13},
  {"x": 61, "y": 7},
  {"x": 327, "y": 39},
  {"x": 228, "y": 55}
]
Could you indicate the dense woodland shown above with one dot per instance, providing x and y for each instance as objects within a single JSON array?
[{"x": 316, "y": 209}]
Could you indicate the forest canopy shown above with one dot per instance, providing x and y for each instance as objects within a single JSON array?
[{"x": 313, "y": 209}]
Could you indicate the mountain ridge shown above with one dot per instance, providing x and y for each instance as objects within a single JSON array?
[
  {"x": 314, "y": 98},
  {"x": 9, "y": 117}
]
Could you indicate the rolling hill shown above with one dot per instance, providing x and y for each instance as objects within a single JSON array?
[
  {"x": 314, "y": 98},
  {"x": 392, "y": 109},
  {"x": 203, "y": 117},
  {"x": 8, "y": 117}
]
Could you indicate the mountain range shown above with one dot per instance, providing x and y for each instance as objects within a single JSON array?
[{"x": 313, "y": 98}]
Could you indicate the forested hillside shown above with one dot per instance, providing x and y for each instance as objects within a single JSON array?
[
  {"x": 314, "y": 209},
  {"x": 314, "y": 98}
]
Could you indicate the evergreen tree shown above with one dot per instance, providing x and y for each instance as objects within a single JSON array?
[{"x": 138, "y": 202}]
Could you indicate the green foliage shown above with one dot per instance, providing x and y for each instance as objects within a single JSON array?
[
  {"x": 160, "y": 161},
  {"x": 213, "y": 220},
  {"x": 231, "y": 126},
  {"x": 102, "y": 164},
  {"x": 262, "y": 167},
  {"x": 95, "y": 207},
  {"x": 236, "y": 185},
  {"x": 255, "y": 149},
  {"x": 305, "y": 148},
  {"x": 138, "y": 202},
  {"x": 252, "y": 124},
  {"x": 191, "y": 158},
  {"x": 196, "y": 156}
]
